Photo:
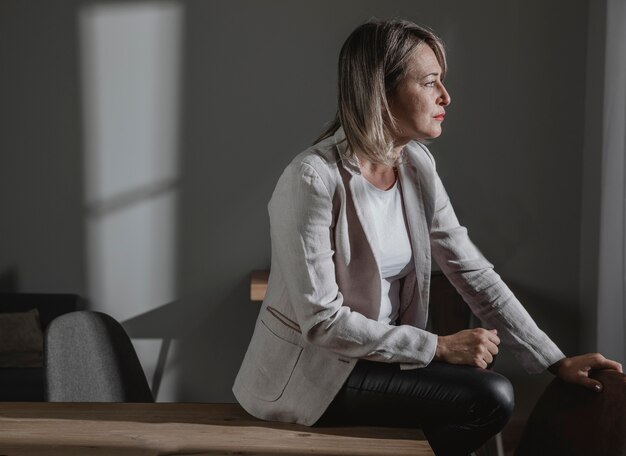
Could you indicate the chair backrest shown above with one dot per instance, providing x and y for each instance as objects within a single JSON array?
[
  {"x": 575, "y": 421},
  {"x": 88, "y": 357}
]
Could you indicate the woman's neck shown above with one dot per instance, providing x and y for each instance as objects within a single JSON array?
[{"x": 380, "y": 176}]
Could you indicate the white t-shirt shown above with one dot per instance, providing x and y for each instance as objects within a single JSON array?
[{"x": 391, "y": 244}]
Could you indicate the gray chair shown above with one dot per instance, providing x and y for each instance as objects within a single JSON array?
[{"x": 88, "y": 357}]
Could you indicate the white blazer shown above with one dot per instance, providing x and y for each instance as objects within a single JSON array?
[{"x": 320, "y": 311}]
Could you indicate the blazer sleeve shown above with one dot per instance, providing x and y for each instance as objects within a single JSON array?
[
  {"x": 301, "y": 232},
  {"x": 484, "y": 291}
]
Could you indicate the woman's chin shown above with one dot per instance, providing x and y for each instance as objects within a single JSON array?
[{"x": 429, "y": 136}]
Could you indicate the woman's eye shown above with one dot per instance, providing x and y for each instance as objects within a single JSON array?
[{"x": 430, "y": 84}]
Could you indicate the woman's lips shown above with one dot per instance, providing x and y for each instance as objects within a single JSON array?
[{"x": 440, "y": 117}]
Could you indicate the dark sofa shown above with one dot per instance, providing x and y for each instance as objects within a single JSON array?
[{"x": 27, "y": 383}]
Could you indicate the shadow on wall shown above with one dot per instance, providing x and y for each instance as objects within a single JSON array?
[{"x": 196, "y": 352}]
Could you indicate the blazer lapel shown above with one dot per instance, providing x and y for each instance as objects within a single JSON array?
[
  {"x": 358, "y": 272},
  {"x": 418, "y": 209}
]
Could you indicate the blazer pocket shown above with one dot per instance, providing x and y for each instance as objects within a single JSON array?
[
  {"x": 281, "y": 325},
  {"x": 271, "y": 361}
]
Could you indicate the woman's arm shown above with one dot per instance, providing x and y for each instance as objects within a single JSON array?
[
  {"x": 484, "y": 291},
  {"x": 492, "y": 301}
]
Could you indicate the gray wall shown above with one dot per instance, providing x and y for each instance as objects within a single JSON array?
[
  {"x": 258, "y": 83},
  {"x": 592, "y": 172}
]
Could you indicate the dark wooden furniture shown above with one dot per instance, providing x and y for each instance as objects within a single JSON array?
[{"x": 573, "y": 421}]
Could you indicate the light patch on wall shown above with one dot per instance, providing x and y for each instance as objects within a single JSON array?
[
  {"x": 611, "y": 329},
  {"x": 130, "y": 63}
]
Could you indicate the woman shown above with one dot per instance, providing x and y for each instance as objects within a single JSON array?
[{"x": 354, "y": 222}]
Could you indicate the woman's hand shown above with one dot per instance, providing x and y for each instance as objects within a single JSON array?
[
  {"x": 474, "y": 347},
  {"x": 576, "y": 369}
]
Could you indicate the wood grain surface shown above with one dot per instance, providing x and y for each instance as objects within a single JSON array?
[{"x": 183, "y": 429}]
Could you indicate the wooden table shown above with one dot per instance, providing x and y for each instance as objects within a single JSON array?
[{"x": 183, "y": 429}]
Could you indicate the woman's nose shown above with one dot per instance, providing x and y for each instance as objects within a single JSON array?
[{"x": 444, "y": 97}]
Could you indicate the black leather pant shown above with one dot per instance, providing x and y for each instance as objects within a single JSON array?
[{"x": 458, "y": 407}]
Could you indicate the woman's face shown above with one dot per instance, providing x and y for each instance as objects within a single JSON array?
[{"x": 419, "y": 101}]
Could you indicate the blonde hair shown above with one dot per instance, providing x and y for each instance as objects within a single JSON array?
[{"x": 372, "y": 61}]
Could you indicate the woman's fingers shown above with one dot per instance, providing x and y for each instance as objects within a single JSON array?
[
  {"x": 488, "y": 357},
  {"x": 598, "y": 362},
  {"x": 493, "y": 348},
  {"x": 576, "y": 369},
  {"x": 493, "y": 336},
  {"x": 606, "y": 364},
  {"x": 474, "y": 347},
  {"x": 487, "y": 347},
  {"x": 590, "y": 383},
  {"x": 595, "y": 361},
  {"x": 488, "y": 344}
]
